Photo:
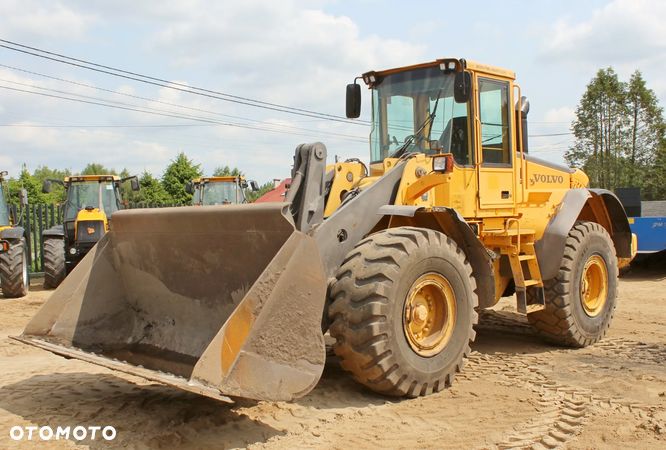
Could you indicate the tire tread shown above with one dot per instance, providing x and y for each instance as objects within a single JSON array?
[{"x": 360, "y": 311}]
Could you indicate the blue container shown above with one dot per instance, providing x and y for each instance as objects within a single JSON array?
[{"x": 651, "y": 233}]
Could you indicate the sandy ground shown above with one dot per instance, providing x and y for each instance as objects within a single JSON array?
[{"x": 514, "y": 392}]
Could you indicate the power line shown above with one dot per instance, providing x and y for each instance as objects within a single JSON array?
[
  {"x": 92, "y": 86},
  {"x": 33, "y": 125},
  {"x": 189, "y": 89},
  {"x": 330, "y": 133},
  {"x": 171, "y": 82},
  {"x": 165, "y": 114},
  {"x": 174, "y": 85},
  {"x": 548, "y": 121},
  {"x": 550, "y": 134},
  {"x": 125, "y": 94}
]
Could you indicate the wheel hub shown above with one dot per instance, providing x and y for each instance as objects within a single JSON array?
[
  {"x": 429, "y": 314},
  {"x": 420, "y": 314},
  {"x": 594, "y": 285}
]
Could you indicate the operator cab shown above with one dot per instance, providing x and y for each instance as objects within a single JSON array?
[
  {"x": 455, "y": 107},
  {"x": 224, "y": 190}
]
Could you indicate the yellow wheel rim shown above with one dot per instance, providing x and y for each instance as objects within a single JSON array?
[
  {"x": 594, "y": 285},
  {"x": 429, "y": 314}
]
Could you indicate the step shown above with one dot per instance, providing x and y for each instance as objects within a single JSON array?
[
  {"x": 526, "y": 257},
  {"x": 532, "y": 283},
  {"x": 534, "y": 308}
]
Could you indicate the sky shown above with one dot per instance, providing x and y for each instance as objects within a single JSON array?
[{"x": 295, "y": 53}]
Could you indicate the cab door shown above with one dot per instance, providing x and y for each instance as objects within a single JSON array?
[{"x": 497, "y": 184}]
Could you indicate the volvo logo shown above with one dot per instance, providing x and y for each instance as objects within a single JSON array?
[{"x": 541, "y": 178}]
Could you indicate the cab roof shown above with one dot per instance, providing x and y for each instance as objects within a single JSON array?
[
  {"x": 459, "y": 62},
  {"x": 225, "y": 178},
  {"x": 82, "y": 178}
]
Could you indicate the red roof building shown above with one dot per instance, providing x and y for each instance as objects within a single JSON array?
[{"x": 277, "y": 194}]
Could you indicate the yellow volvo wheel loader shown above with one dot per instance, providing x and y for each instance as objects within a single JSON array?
[
  {"x": 14, "y": 259},
  {"x": 395, "y": 260},
  {"x": 90, "y": 201},
  {"x": 224, "y": 190}
]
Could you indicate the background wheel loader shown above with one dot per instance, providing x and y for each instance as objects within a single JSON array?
[
  {"x": 14, "y": 259},
  {"x": 90, "y": 201},
  {"x": 395, "y": 261},
  {"x": 225, "y": 190}
]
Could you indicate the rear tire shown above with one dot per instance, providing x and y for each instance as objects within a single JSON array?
[
  {"x": 14, "y": 276},
  {"x": 54, "y": 262},
  {"x": 376, "y": 315},
  {"x": 579, "y": 309}
]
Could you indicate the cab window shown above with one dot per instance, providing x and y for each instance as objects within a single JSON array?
[
  {"x": 494, "y": 117},
  {"x": 400, "y": 118}
]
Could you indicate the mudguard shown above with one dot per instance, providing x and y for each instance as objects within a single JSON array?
[
  {"x": 621, "y": 231},
  {"x": 12, "y": 234},
  {"x": 550, "y": 248},
  {"x": 54, "y": 231},
  {"x": 457, "y": 228}
]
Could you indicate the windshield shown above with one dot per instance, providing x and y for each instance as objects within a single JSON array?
[
  {"x": 82, "y": 194},
  {"x": 404, "y": 103},
  {"x": 221, "y": 193},
  {"x": 4, "y": 211}
]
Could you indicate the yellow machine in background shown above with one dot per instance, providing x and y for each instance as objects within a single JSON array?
[
  {"x": 224, "y": 190},
  {"x": 394, "y": 260},
  {"x": 14, "y": 259},
  {"x": 90, "y": 201}
]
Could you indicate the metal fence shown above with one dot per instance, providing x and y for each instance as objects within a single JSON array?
[{"x": 39, "y": 217}]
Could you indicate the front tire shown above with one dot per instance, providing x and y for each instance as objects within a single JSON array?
[
  {"x": 580, "y": 300},
  {"x": 54, "y": 262},
  {"x": 14, "y": 276},
  {"x": 403, "y": 312}
]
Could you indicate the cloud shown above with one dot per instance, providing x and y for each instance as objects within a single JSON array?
[
  {"x": 74, "y": 148},
  {"x": 559, "y": 115},
  {"x": 38, "y": 20},
  {"x": 623, "y": 32},
  {"x": 280, "y": 51},
  {"x": 286, "y": 52}
]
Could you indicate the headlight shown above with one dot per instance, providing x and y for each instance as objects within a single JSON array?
[
  {"x": 442, "y": 163},
  {"x": 72, "y": 251}
]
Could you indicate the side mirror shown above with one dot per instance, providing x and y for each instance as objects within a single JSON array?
[
  {"x": 353, "y": 101},
  {"x": 46, "y": 186},
  {"x": 134, "y": 183},
  {"x": 254, "y": 186},
  {"x": 462, "y": 87},
  {"x": 189, "y": 187},
  {"x": 23, "y": 198}
]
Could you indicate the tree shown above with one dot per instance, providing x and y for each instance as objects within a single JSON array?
[
  {"x": 27, "y": 182},
  {"x": 33, "y": 185},
  {"x": 618, "y": 132},
  {"x": 177, "y": 174},
  {"x": 152, "y": 191},
  {"x": 600, "y": 117},
  {"x": 97, "y": 169},
  {"x": 654, "y": 187},
  {"x": 646, "y": 132},
  {"x": 57, "y": 194},
  {"x": 226, "y": 171},
  {"x": 253, "y": 195}
]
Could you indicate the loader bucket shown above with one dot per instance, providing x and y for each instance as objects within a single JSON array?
[{"x": 220, "y": 300}]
